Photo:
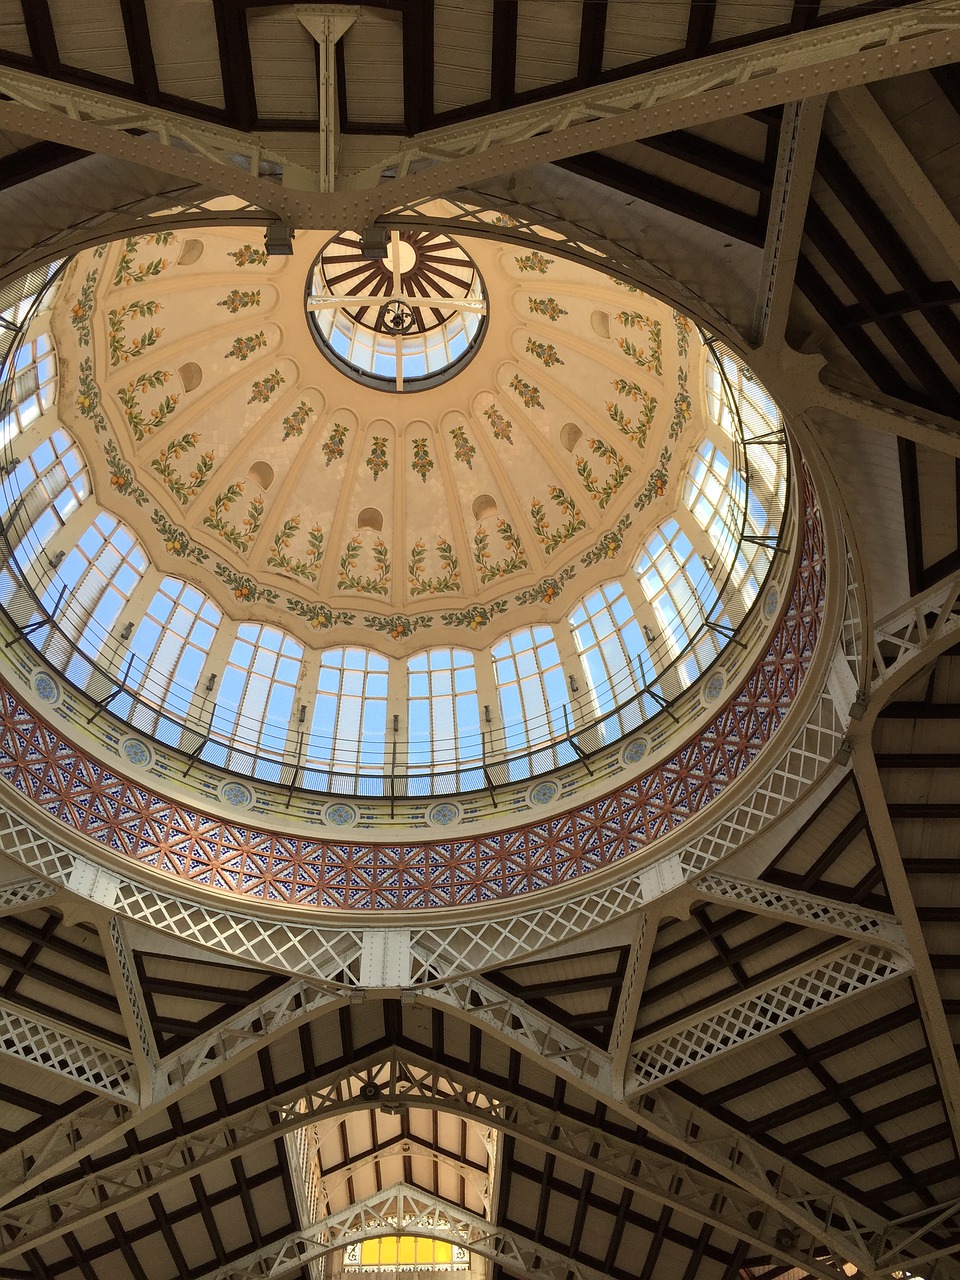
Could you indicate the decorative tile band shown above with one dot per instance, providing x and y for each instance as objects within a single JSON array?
[{"x": 91, "y": 798}]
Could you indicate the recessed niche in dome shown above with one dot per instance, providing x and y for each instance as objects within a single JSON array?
[{"x": 403, "y": 322}]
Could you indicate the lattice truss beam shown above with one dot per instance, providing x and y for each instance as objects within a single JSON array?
[
  {"x": 813, "y": 1222},
  {"x": 419, "y": 1213},
  {"x": 719, "y": 86},
  {"x": 914, "y": 634}
]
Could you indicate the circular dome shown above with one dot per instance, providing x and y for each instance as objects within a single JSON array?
[
  {"x": 402, "y": 318},
  {"x": 252, "y": 561}
]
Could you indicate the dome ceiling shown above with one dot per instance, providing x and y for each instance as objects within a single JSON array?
[{"x": 279, "y": 482}]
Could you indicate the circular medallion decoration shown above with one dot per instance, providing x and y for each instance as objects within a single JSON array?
[
  {"x": 441, "y": 815},
  {"x": 236, "y": 794},
  {"x": 46, "y": 688},
  {"x": 544, "y": 793},
  {"x": 340, "y": 814},
  {"x": 402, "y": 320},
  {"x": 137, "y": 752},
  {"x": 714, "y": 687},
  {"x": 770, "y": 603},
  {"x": 634, "y": 751}
]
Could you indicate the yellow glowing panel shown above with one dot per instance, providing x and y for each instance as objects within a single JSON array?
[{"x": 405, "y": 1251}]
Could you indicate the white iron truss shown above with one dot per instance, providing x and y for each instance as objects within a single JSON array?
[
  {"x": 813, "y": 1221},
  {"x": 763, "y": 1010},
  {"x": 19, "y": 895},
  {"x": 922, "y": 627},
  {"x": 100, "y": 1067},
  {"x": 719, "y": 86},
  {"x": 802, "y": 908},
  {"x": 416, "y": 1212}
]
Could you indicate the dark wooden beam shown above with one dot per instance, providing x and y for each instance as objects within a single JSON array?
[
  {"x": 136, "y": 28},
  {"x": 700, "y": 27},
  {"x": 418, "y": 63},
  {"x": 667, "y": 195},
  {"x": 41, "y": 35},
  {"x": 503, "y": 56},
  {"x": 236, "y": 65},
  {"x": 34, "y": 161},
  {"x": 714, "y": 158},
  {"x": 593, "y": 30}
]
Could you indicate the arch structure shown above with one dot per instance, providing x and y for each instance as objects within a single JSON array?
[{"x": 479, "y": 575}]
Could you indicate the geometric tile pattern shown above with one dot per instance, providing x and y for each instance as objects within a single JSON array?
[{"x": 130, "y": 819}]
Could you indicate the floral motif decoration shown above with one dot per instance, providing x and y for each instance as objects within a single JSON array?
[
  {"x": 647, "y": 407},
  {"x": 262, "y": 390},
  {"x": 377, "y": 457},
  {"x": 447, "y": 580},
  {"x": 534, "y": 262},
  {"x": 514, "y": 560},
  {"x": 476, "y": 617},
  {"x": 463, "y": 450},
  {"x": 319, "y": 615},
  {"x": 422, "y": 463},
  {"x": 163, "y": 464},
  {"x": 244, "y": 348},
  {"x": 176, "y": 541},
  {"x": 398, "y": 626},
  {"x": 682, "y": 406},
  {"x": 121, "y": 476},
  {"x": 332, "y": 447},
  {"x": 294, "y": 423},
  {"x": 652, "y": 359},
  {"x": 297, "y": 567},
  {"x": 238, "y": 299},
  {"x": 547, "y": 590},
  {"x": 377, "y": 583},
  {"x": 243, "y": 586},
  {"x": 127, "y": 273},
  {"x": 120, "y": 349},
  {"x": 548, "y": 307},
  {"x": 139, "y": 424},
  {"x": 572, "y": 523},
  {"x": 242, "y": 538},
  {"x": 657, "y": 481},
  {"x": 546, "y": 352},
  {"x": 502, "y": 427},
  {"x": 610, "y": 545},
  {"x": 82, "y": 309},
  {"x": 248, "y": 256},
  {"x": 504, "y": 220},
  {"x": 88, "y": 401},
  {"x": 684, "y": 329},
  {"x": 619, "y": 470},
  {"x": 530, "y": 395}
]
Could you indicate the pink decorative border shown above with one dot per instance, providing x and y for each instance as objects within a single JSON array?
[{"x": 87, "y": 796}]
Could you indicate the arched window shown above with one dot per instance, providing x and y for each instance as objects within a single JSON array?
[
  {"x": 758, "y": 419},
  {"x": 716, "y": 495},
  {"x": 349, "y": 725},
  {"x": 443, "y": 710},
  {"x": 532, "y": 688},
  {"x": 679, "y": 587},
  {"x": 89, "y": 589},
  {"x": 34, "y": 386},
  {"x": 169, "y": 648},
  {"x": 254, "y": 701},
  {"x": 42, "y": 493},
  {"x": 612, "y": 647}
]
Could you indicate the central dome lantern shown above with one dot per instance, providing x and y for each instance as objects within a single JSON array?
[{"x": 402, "y": 322}]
